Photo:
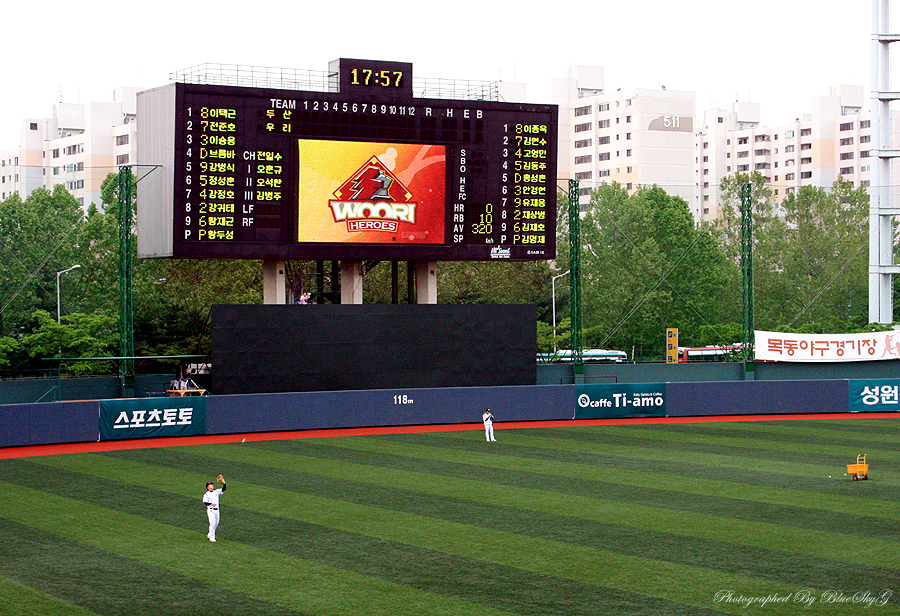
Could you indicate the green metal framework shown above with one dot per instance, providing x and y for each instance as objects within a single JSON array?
[
  {"x": 747, "y": 352},
  {"x": 126, "y": 270},
  {"x": 575, "y": 275}
]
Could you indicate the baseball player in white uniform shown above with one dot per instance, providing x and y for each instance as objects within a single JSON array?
[
  {"x": 211, "y": 500},
  {"x": 488, "y": 420}
]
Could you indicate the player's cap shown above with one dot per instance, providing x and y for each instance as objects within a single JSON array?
[{"x": 209, "y": 483}]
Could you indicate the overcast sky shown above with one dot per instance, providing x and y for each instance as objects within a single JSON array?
[{"x": 778, "y": 53}]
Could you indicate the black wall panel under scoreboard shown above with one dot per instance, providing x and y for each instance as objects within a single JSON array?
[{"x": 274, "y": 348}]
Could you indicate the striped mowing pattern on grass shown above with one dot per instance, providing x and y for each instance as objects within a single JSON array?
[{"x": 656, "y": 519}]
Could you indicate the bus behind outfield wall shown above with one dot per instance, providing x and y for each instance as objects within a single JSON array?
[
  {"x": 729, "y": 352},
  {"x": 594, "y": 356}
]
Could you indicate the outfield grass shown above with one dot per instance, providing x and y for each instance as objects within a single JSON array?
[{"x": 668, "y": 520}]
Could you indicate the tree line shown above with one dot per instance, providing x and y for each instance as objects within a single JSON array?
[{"x": 646, "y": 266}]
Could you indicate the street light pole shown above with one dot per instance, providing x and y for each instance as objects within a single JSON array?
[
  {"x": 58, "y": 274},
  {"x": 553, "y": 286}
]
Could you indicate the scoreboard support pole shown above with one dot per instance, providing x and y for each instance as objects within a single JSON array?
[
  {"x": 351, "y": 282},
  {"x": 426, "y": 282},
  {"x": 274, "y": 282}
]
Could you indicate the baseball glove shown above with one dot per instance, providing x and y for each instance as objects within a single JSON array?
[{"x": 220, "y": 479}]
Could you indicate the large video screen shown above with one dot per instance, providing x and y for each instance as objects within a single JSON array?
[
  {"x": 290, "y": 174},
  {"x": 356, "y": 191}
]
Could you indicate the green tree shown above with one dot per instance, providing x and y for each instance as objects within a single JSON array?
[
  {"x": 823, "y": 275},
  {"x": 647, "y": 267},
  {"x": 809, "y": 254},
  {"x": 38, "y": 238}
]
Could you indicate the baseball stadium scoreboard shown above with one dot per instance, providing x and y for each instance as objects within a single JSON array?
[{"x": 367, "y": 171}]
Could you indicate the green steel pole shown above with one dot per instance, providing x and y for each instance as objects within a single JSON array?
[
  {"x": 126, "y": 300},
  {"x": 747, "y": 351},
  {"x": 575, "y": 275}
]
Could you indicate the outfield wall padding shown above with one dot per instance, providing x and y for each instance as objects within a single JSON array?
[
  {"x": 386, "y": 407},
  {"x": 756, "y": 398},
  {"x": 48, "y": 422},
  {"x": 74, "y": 422}
]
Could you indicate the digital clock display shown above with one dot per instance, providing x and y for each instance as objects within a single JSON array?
[
  {"x": 286, "y": 174},
  {"x": 365, "y": 76}
]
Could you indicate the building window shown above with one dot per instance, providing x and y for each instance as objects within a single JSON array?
[
  {"x": 706, "y": 159},
  {"x": 864, "y": 168},
  {"x": 805, "y": 175},
  {"x": 864, "y": 154},
  {"x": 603, "y": 140},
  {"x": 805, "y": 146},
  {"x": 847, "y": 141},
  {"x": 743, "y": 154},
  {"x": 604, "y": 173},
  {"x": 580, "y": 128},
  {"x": 846, "y": 170},
  {"x": 721, "y": 120},
  {"x": 55, "y": 153},
  {"x": 122, "y": 159},
  {"x": 789, "y": 134},
  {"x": 847, "y": 126},
  {"x": 123, "y": 139},
  {"x": 584, "y": 175},
  {"x": 846, "y": 155},
  {"x": 743, "y": 140},
  {"x": 788, "y": 148},
  {"x": 603, "y": 156},
  {"x": 628, "y": 152},
  {"x": 627, "y": 119},
  {"x": 865, "y": 123},
  {"x": 865, "y": 138},
  {"x": 806, "y": 161},
  {"x": 584, "y": 143},
  {"x": 580, "y": 111},
  {"x": 604, "y": 106},
  {"x": 604, "y": 124},
  {"x": 33, "y": 126},
  {"x": 788, "y": 177},
  {"x": 806, "y": 132},
  {"x": 742, "y": 168}
]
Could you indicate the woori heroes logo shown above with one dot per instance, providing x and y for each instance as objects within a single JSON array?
[{"x": 623, "y": 400}]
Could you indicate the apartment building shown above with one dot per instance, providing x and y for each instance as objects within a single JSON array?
[
  {"x": 833, "y": 140},
  {"x": 636, "y": 137},
  {"x": 77, "y": 146}
]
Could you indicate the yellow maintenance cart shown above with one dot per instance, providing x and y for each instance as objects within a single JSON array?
[{"x": 860, "y": 470}]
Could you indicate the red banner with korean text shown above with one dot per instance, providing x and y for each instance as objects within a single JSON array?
[{"x": 777, "y": 346}]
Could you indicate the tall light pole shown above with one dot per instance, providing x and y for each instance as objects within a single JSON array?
[
  {"x": 58, "y": 274},
  {"x": 553, "y": 286}
]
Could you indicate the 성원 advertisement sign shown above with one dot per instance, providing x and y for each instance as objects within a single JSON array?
[{"x": 871, "y": 395}]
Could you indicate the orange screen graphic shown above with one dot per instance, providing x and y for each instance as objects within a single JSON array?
[{"x": 351, "y": 191}]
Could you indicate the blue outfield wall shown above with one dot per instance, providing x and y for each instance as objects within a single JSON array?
[
  {"x": 74, "y": 422},
  {"x": 756, "y": 397},
  {"x": 385, "y": 407},
  {"x": 49, "y": 422}
]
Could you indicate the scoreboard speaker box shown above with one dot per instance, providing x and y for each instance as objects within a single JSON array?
[{"x": 291, "y": 348}]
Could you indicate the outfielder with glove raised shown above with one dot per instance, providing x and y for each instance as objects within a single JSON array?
[{"x": 211, "y": 500}]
